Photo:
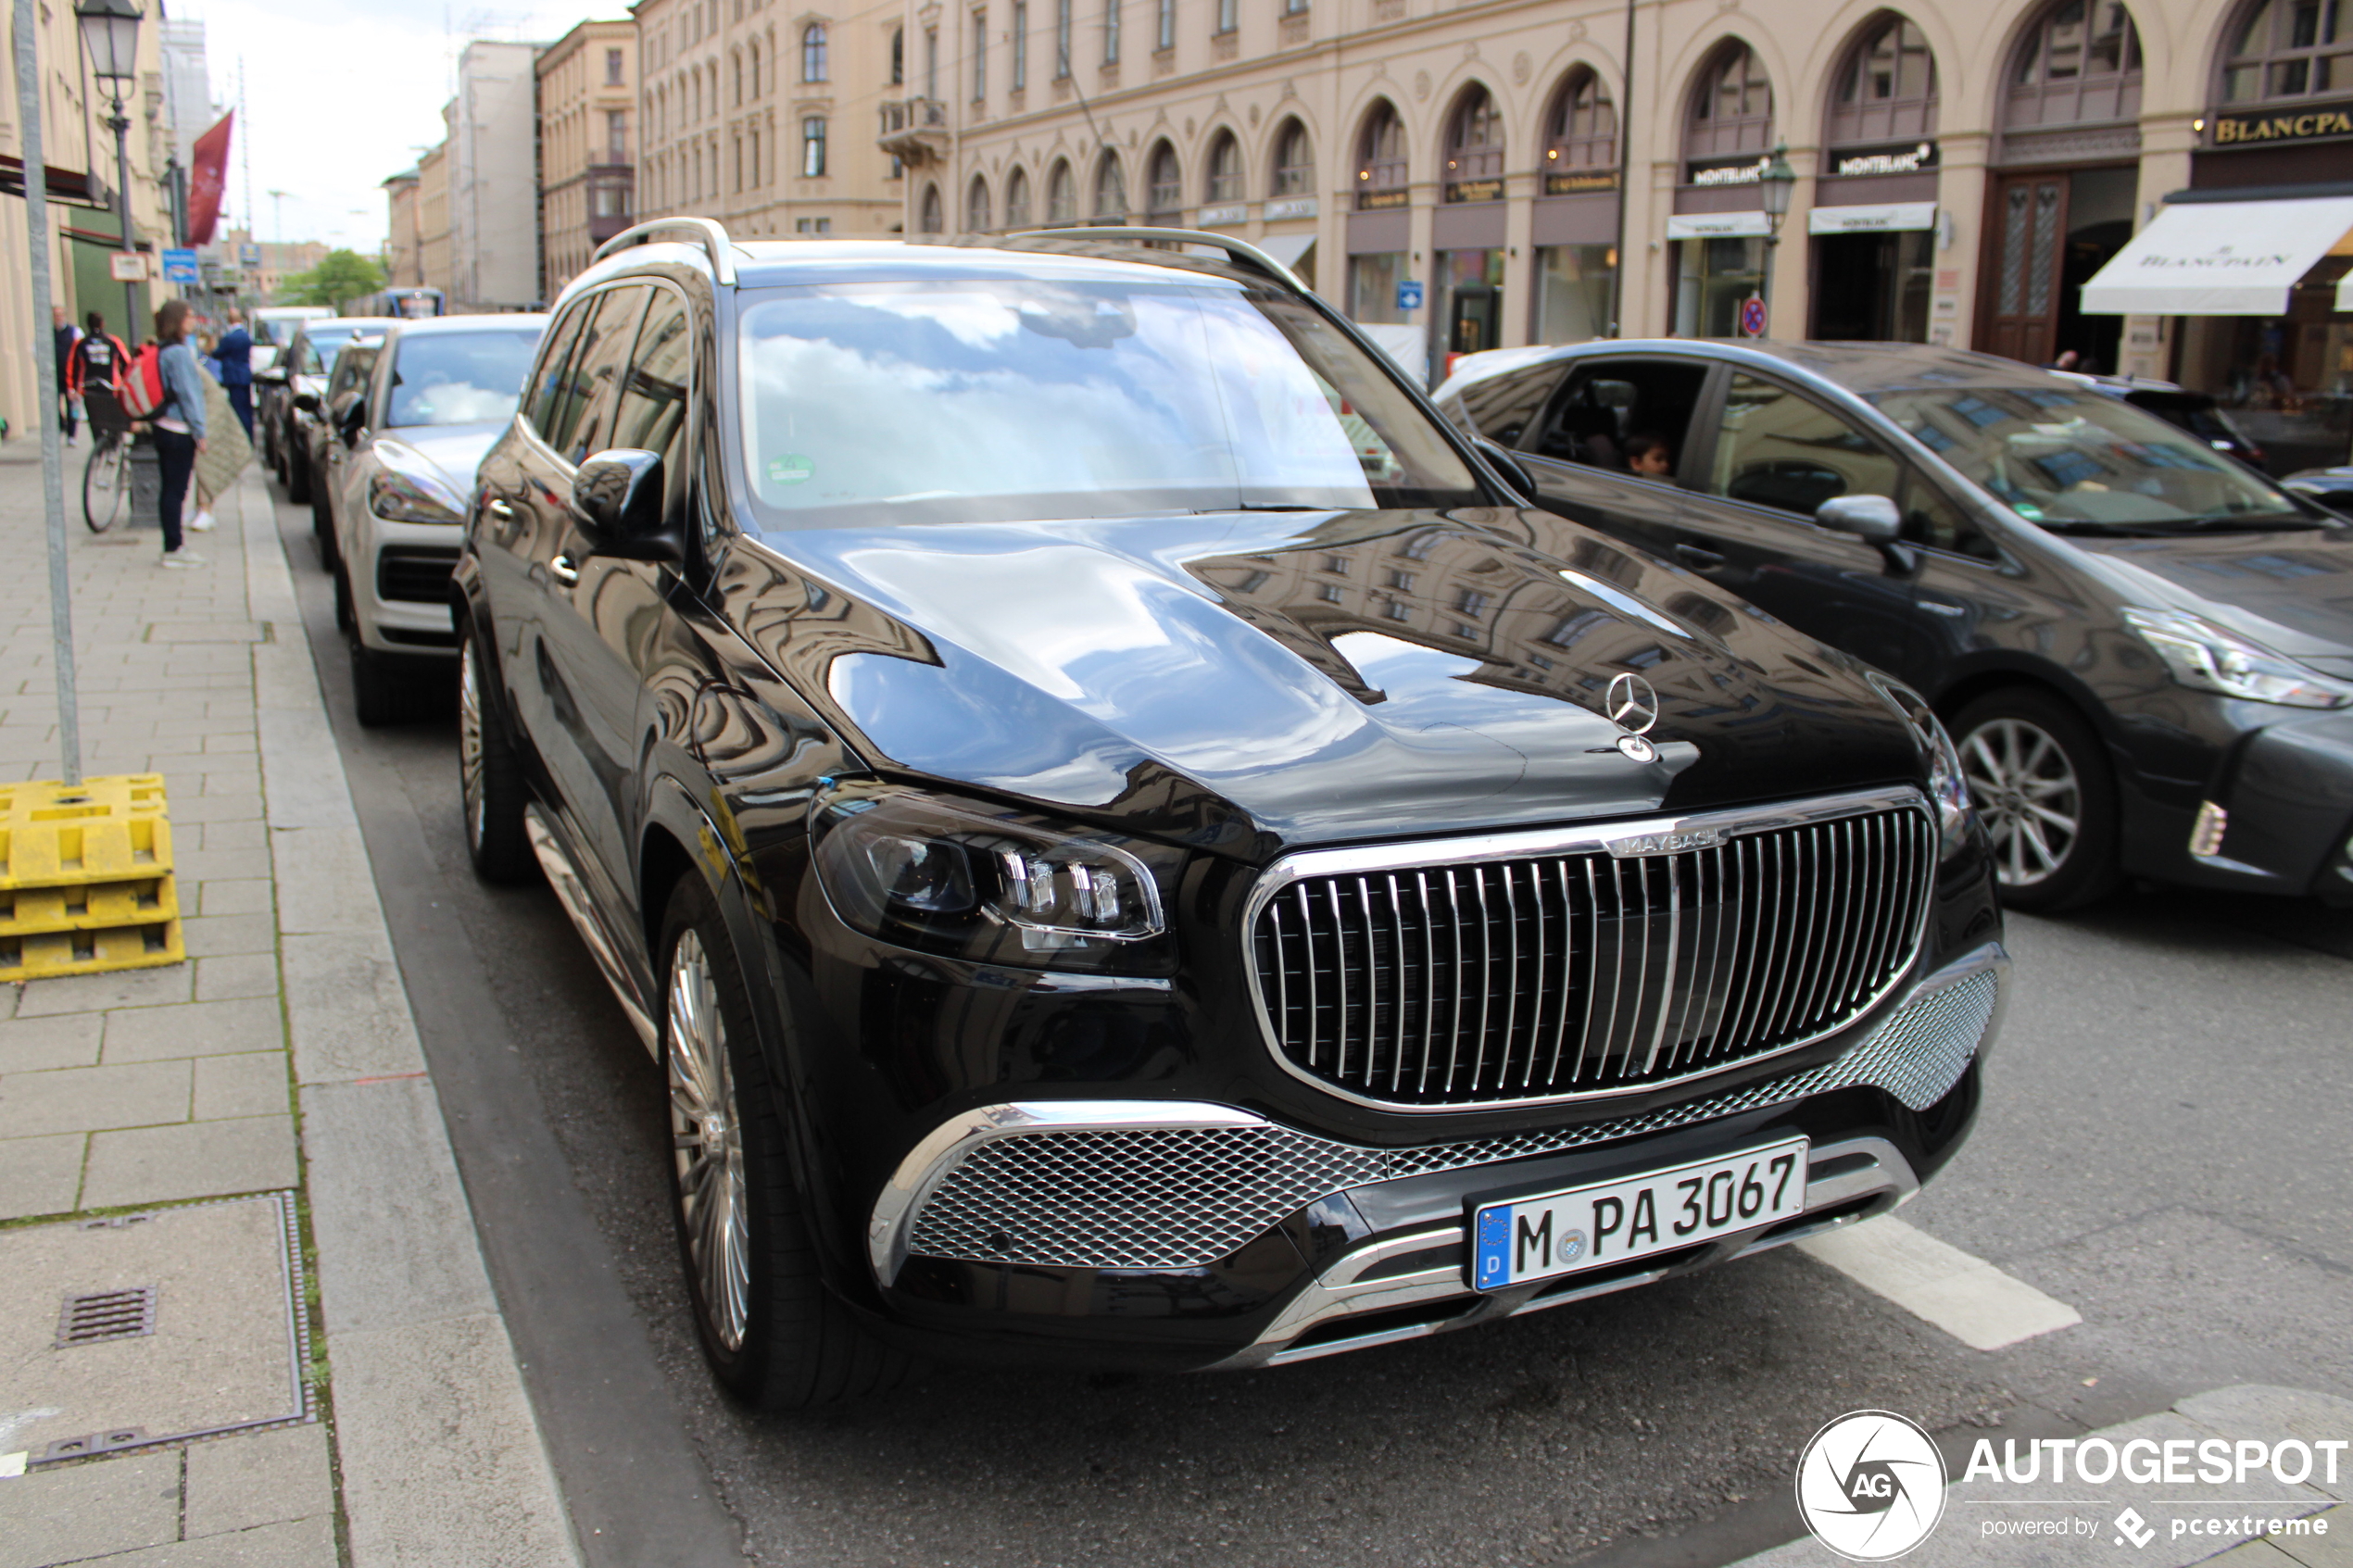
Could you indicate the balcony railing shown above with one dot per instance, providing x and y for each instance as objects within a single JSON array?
[{"x": 915, "y": 130}]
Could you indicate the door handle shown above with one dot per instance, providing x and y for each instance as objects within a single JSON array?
[
  {"x": 1699, "y": 556},
  {"x": 1939, "y": 607},
  {"x": 563, "y": 571}
]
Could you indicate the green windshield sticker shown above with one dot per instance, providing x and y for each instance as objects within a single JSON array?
[
  {"x": 2028, "y": 510},
  {"x": 790, "y": 468}
]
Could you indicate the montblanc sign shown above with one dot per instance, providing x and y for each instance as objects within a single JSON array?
[{"x": 1918, "y": 158}]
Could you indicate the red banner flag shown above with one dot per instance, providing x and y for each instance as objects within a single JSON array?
[{"x": 205, "y": 180}]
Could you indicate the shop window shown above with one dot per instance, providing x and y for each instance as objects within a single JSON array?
[
  {"x": 1380, "y": 161},
  {"x": 1580, "y": 138},
  {"x": 1372, "y": 287},
  {"x": 976, "y": 206},
  {"x": 1164, "y": 184},
  {"x": 1017, "y": 199},
  {"x": 1475, "y": 150},
  {"x": 2080, "y": 63},
  {"x": 1061, "y": 195},
  {"x": 1575, "y": 288},
  {"x": 1731, "y": 108},
  {"x": 1887, "y": 92},
  {"x": 1111, "y": 190},
  {"x": 1225, "y": 169},
  {"x": 1294, "y": 161},
  {"x": 1711, "y": 279},
  {"x": 2290, "y": 49}
]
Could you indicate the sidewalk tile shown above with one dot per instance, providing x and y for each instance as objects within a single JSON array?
[
  {"x": 238, "y": 975},
  {"x": 243, "y": 834},
  {"x": 193, "y": 1160},
  {"x": 234, "y": 895},
  {"x": 252, "y": 1024},
  {"x": 81, "y": 1511},
  {"x": 382, "y": 1182},
  {"x": 212, "y": 937},
  {"x": 251, "y": 1084},
  {"x": 36, "y": 1045},
  {"x": 82, "y": 1099},
  {"x": 268, "y": 1478},
  {"x": 346, "y": 1012},
  {"x": 122, "y": 989},
  {"x": 204, "y": 865},
  {"x": 230, "y": 742},
  {"x": 318, "y": 868},
  {"x": 302, "y": 1543},
  {"x": 40, "y": 1175}
]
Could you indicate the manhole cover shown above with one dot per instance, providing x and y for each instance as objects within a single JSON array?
[{"x": 151, "y": 1327}]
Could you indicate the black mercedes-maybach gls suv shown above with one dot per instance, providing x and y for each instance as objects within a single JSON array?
[{"x": 1135, "y": 849}]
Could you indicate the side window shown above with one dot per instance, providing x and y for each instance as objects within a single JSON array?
[
  {"x": 1931, "y": 518},
  {"x": 545, "y": 399},
  {"x": 1776, "y": 449},
  {"x": 651, "y": 416},
  {"x": 1628, "y": 416},
  {"x": 595, "y": 371},
  {"x": 352, "y": 368},
  {"x": 1500, "y": 408}
]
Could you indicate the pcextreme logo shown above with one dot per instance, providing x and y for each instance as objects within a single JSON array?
[{"x": 1870, "y": 1486}]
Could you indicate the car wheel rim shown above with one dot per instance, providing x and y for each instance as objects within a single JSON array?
[
  {"x": 2027, "y": 791},
  {"x": 706, "y": 1141},
  {"x": 469, "y": 742}
]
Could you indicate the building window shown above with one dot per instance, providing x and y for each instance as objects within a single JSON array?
[
  {"x": 2290, "y": 49},
  {"x": 1111, "y": 189},
  {"x": 1017, "y": 199},
  {"x": 2080, "y": 63},
  {"x": 1294, "y": 161},
  {"x": 897, "y": 57},
  {"x": 1166, "y": 36},
  {"x": 1475, "y": 150},
  {"x": 976, "y": 206},
  {"x": 616, "y": 135},
  {"x": 1228, "y": 17},
  {"x": 1580, "y": 138},
  {"x": 980, "y": 56},
  {"x": 1888, "y": 90},
  {"x": 754, "y": 150},
  {"x": 931, "y": 62},
  {"x": 813, "y": 147},
  {"x": 1381, "y": 162},
  {"x": 928, "y": 222},
  {"x": 812, "y": 226},
  {"x": 1021, "y": 44},
  {"x": 813, "y": 66},
  {"x": 1224, "y": 170},
  {"x": 1111, "y": 32},
  {"x": 1061, "y": 195},
  {"x": 1732, "y": 110},
  {"x": 735, "y": 70},
  {"x": 755, "y": 69},
  {"x": 1163, "y": 187},
  {"x": 1294, "y": 8},
  {"x": 1062, "y": 38},
  {"x": 612, "y": 67}
]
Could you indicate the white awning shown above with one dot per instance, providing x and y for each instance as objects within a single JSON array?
[
  {"x": 1288, "y": 248},
  {"x": 1715, "y": 225},
  {"x": 2218, "y": 258},
  {"x": 1872, "y": 217}
]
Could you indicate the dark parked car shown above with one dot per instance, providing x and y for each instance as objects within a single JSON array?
[
  {"x": 1135, "y": 850},
  {"x": 2200, "y": 413},
  {"x": 286, "y": 395},
  {"x": 2332, "y": 488},
  {"x": 2145, "y": 648}
]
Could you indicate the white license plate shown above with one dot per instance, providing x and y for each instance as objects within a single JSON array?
[{"x": 1587, "y": 1228}]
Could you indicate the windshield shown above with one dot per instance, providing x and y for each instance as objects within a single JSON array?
[
  {"x": 459, "y": 378},
  {"x": 1052, "y": 399},
  {"x": 319, "y": 346},
  {"x": 2070, "y": 458}
]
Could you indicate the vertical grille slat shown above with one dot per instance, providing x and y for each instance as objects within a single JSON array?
[{"x": 1539, "y": 975}]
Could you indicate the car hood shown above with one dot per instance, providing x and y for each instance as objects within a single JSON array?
[
  {"x": 456, "y": 450},
  {"x": 2291, "y": 592},
  {"x": 1252, "y": 682}
]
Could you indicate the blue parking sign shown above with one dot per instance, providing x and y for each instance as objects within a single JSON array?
[
  {"x": 180, "y": 267},
  {"x": 1409, "y": 295}
]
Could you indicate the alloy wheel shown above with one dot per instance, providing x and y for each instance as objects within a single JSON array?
[
  {"x": 706, "y": 1141},
  {"x": 2027, "y": 791},
  {"x": 469, "y": 743}
]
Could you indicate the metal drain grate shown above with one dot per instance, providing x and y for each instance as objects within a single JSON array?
[{"x": 106, "y": 1315}]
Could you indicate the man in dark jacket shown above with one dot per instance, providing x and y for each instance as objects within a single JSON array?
[
  {"x": 234, "y": 354},
  {"x": 67, "y": 335}
]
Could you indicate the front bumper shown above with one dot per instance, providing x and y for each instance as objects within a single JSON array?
[
  {"x": 1193, "y": 1235},
  {"x": 2285, "y": 788}
]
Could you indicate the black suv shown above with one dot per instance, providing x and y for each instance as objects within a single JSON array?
[{"x": 1135, "y": 850}]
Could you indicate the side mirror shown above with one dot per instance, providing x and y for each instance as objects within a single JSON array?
[
  {"x": 351, "y": 416},
  {"x": 617, "y": 496},
  {"x": 1505, "y": 463},
  {"x": 307, "y": 401},
  {"x": 1872, "y": 519}
]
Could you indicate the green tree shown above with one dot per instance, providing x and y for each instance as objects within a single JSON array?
[{"x": 341, "y": 275}]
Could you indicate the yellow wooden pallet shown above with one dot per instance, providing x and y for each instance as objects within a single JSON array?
[{"x": 85, "y": 878}]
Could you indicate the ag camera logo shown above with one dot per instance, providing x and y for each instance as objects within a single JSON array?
[{"x": 1870, "y": 1486}]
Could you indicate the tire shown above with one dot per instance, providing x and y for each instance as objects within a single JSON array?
[
  {"x": 775, "y": 1336},
  {"x": 346, "y": 619},
  {"x": 297, "y": 476},
  {"x": 105, "y": 484},
  {"x": 323, "y": 529},
  {"x": 490, "y": 783},
  {"x": 2042, "y": 780},
  {"x": 383, "y": 692}
]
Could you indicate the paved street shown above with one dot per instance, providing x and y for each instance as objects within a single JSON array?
[{"x": 2162, "y": 1150}]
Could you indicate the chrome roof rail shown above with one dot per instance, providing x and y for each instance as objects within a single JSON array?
[
  {"x": 1241, "y": 250},
  {"x": 707, "y": 232}
]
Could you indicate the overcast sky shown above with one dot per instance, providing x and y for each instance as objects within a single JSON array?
[{"x": 340, "y": 94}]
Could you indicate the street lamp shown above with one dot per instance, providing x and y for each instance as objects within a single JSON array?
[
  {"x": 110, "y": 32},
  {"x": 1775, "y": 182}
]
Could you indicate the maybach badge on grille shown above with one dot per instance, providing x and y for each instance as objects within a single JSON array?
[{"x": 1665, "y": 843}]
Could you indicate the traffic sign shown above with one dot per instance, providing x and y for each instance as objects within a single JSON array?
[
  {"x": 249, "y": 257},
  {"x": 1752, "y": 316},
  {"x": 1409, "y": 295},
  {"x": 180, "y": 267}
]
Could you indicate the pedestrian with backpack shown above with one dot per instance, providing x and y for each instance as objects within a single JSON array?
[{"x": 163, "y": 386}]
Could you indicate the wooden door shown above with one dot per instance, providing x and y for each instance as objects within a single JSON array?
[{"x": 2030, "y": 235}]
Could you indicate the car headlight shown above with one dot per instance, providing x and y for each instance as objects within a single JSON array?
[
  {"x": 1947, "y": 787},
  {"x": 990, "y": 884},
  {"x": 2203, "y": 657},
  {"x": 408, "y": 487}
]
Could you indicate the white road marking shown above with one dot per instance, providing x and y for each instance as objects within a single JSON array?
[{"x": 1965, "y": 1297}]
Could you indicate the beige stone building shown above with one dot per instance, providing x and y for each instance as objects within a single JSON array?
[
  {"x": 587, "y": 174},
  {"x": 435, "y": 250},
  {"x": 404, "y": 255},
  {"x": 764, "y": 117},
  {"x": 1961, "y": 169}
]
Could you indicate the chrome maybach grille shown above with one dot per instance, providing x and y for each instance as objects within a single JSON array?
[
  {"x": 1535, "y": 976},
  {"x": 1176, "y": 1198}
]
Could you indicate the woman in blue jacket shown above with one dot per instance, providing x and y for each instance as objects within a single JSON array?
[{"x": 179, "y": 425}]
